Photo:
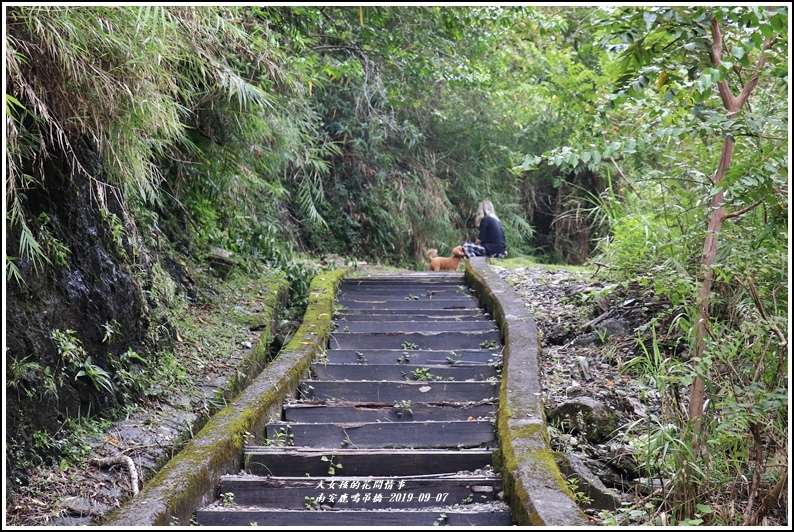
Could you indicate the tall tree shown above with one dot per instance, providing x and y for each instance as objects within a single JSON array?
[
  {"x": 685, "y": 78},
  {"x": 690, "y": 51}
]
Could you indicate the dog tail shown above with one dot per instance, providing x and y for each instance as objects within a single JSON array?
[{"x": 431, "y": 253}]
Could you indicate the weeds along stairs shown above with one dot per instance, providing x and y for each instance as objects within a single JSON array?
[{"x": 395, "y": 425}]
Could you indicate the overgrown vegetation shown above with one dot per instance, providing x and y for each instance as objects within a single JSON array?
[
  {"x": 650, "y": 140},
  {"x": 698, "y": 212}
]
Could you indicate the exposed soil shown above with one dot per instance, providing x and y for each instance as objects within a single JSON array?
[
  {"x": 600, "y": 402},
  {"x": 221, "y": 325},
  {"x": 587, "y": 331}
]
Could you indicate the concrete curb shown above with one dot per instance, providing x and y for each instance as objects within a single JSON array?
[
  {"x": 190, "y": 479},
  {"x": 535, "y": 488}
]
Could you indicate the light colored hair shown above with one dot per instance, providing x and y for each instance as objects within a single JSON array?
[{"x": 485, "y": 209}]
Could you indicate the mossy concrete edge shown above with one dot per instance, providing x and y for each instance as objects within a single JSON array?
[
  {"x": 190, "y": 479},
  {"x": 534, "y": 487}
]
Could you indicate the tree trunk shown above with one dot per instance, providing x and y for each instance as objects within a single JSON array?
[
  {"x": 717, "y": 216},
  {"x": 732, "y": 104}
]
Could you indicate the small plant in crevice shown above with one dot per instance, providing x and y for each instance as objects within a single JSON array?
[
  {"x": 424, "y": 374},
  {"x": 332, "y": 467},
  {"x": 489, "y": 344},
  {"x": 70, "y": 348},
  {"x": 99, "y": 377},
  {"x": 402, "y": 407},
  {"x": 310, "y": 503},
  {"x": 305, "y": 393},
  {"x": 409, "y": 346},
  {"x": 109, "y": 330},
  {"x": 21, "y": 374},
  {"x": 405, "y": 358},
  {"x": 227, "y": 499},
  {"x": 281, "y": 438},
  {"x": 602, "y": 336},
  {"x": 129, "y": 372},
  {"x": 581, "y": 497},
  {"x": 56, "y": 252}
]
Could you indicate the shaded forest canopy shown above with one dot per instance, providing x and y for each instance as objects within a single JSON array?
[{"x": 652, "y": 141}]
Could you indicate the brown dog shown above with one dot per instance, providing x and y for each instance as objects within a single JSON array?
[{"x": 446, "y": 264}]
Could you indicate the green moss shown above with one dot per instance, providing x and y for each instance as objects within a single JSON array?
[
  {"x": 179, "y": 488},
  {"x": 317, "y": 319},
  {"x": 526, "y": 448}
]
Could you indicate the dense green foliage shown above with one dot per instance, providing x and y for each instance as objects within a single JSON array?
[
  {"x": 284, "y": 134},
  {"x": 700, "y": 213}
]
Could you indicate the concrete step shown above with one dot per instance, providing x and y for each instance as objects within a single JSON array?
[
  {"x": 395, "y": 423},
  {"x": 401, "y": 435},
  {"x": 394, "y": 391},
  {"x": 341, "y": 412},
  {"x": 411, "y": 356},
  {"x": 219, "y": 516},
  {"x": 405, "y": 372},
  {"x": 417, "y": 341},
  {"x": 314, "y": 461}
]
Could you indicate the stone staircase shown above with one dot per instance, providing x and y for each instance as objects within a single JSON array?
[{"x": 393, "y": 426}]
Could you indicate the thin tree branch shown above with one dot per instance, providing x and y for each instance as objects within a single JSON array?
[
  {"x": 759, "y": 464},
  {"x": 734, "y": 214},
  {"x": 770, "y": 497},
  {"x": 626, "y": 179},
  {"x": 715, "y": 54},
  {"x": 757, "y": 300}
]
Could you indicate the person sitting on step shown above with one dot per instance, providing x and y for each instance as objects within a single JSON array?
[{"x": 491, "y": 240}]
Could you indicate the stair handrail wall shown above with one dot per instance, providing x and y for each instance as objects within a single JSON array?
[
  {"x": 190, "y": 480},
  {"x": 534, "y": 487}
]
